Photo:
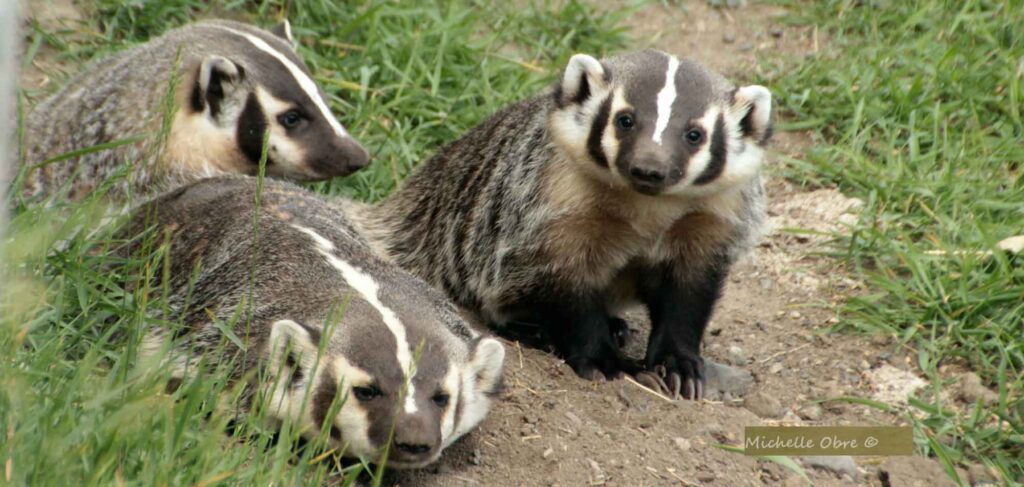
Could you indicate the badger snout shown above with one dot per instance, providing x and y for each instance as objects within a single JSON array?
[
  {"x": 415, "y": 442},
  {"x": 652, "y": 175},
  {"x": 348, "y": 157}
]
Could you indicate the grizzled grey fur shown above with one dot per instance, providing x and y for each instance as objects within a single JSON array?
[
  {"x": 621, "y": 185},
  {"x": 291, "y": 275}
]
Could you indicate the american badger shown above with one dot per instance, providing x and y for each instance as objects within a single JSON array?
[
  {"x": 636, "y": 179},
  {"x": 234, "y": 83},
  {"x": 315, "y": 307}
]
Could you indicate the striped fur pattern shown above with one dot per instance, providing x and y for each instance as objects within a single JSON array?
[
  {"x": 235, "y": 82},
  {"x": 394, "y": 349},
  {"x": 636, "y": 180}
]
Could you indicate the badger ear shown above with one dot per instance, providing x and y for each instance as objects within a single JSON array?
[
  {"x": 218, "y": 78},
  {"x": 753, "y": 106},
  {"x": 284, "y": 31},
  {"x": 487, "y": 364},
  {"x": 291, "y": 351},
  {"x": 583, "y": 76}
]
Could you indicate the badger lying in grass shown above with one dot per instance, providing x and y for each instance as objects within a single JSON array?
[
  {"x": 635, "y": 180},
  {"x": 234, "y": 83},
  {"x": 320, "y": 312}
]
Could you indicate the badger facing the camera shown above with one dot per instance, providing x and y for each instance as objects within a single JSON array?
[{"x": 635, "y": 180}]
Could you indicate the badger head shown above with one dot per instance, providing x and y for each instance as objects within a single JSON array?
[
  {"x": 660, "y": 125},
  {"x": 398, "y": 371},
  {"x": 252, "y": 85}
]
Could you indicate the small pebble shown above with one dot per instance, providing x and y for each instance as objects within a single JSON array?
[
  {"x": 735, "y": 355},
  {"x": 776, "y": 33},
  {"x": 840, "y": 465},
  {"x": 682, "y": 443},
  {"x": 763, "y": 404},
  {"x": 810, "y": 412},
  {"x": 775, "y": 368},
  {"x": 729, "y": 38},
  {"x": 972, "y": 390},
  {"x": 476, "y": 458}
]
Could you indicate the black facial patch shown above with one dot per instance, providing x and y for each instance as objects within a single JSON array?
[
  {"x": 718, "y": 154},
  {"x": 292, "y": 361},
  {"x": 252, "y": 124},
  {"x": 323, "y": 397},
  {"x": 196, "y": 97},
  {"x": 597, "y": 132}
]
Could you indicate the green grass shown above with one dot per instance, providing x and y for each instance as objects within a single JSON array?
[
  {"x": 920, "y": 106},
  {"x": 917, "y": 105},
  {"x": 77, "y": 405}
]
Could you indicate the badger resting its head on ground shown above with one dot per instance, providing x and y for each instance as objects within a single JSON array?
[
  {"x": 635, "y": 180},
  {"x": 200, "y": 99},
  {"x": 329, "y": 322}
]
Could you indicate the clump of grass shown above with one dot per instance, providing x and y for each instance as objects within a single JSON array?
[
  {"x": 77, "y": 405},
  {"x": 920, "y": 106}
]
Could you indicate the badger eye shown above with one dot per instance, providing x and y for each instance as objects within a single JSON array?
[
  {"x": 364, "y": 394},
  {"x": 625, "y": 121},
  {"x": 289, "y": 119},
  {"x": 441, "y": 399},
  {"x": 694, "y": 136}
]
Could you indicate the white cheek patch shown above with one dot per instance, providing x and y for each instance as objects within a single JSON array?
[
  {"x": 700, "y": 160},
  {"x": 284, "y": 151},
  {"x": 609, "y": 138},
  {"x": 570, "y": 126},
  {"x": 308, "y": 85},
  {"x": 452, "y": 383},
  {"x": 351, "y": 418},
  {"x": 367, "y": 288},
  {"x": 666, "y": 98}
]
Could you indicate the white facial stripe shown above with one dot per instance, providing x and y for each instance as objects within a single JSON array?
[
  {"x": 301, "y": 78},
  {"x": 666, "y": 98},
  {"x": 351, "y": 418},
  {"x": 286, "y": 152},
  {"x": 699, "y": 161},
  {"x": 367, "y": 287},
  {"x": 610, "y": 140},
  {"x": 452, "y": 381}
]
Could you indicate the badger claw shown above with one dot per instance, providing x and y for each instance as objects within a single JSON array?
[{"x": 676, "y": 378}]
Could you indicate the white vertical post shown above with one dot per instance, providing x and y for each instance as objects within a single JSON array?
[{"x": 10, "y": 46}]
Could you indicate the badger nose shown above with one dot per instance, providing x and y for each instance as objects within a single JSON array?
[
  {"x": 356, "y": 156},
  {"x": 412, "y": 448},
  {"x": 648, "y": 174}
]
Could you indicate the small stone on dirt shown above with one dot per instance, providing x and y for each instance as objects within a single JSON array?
[
  {"x": 775, "y": 368},
  {"x": 682, "y": 443},
  {"x": 978, "y": 474},
  {"x": 810, "y": 412},
  {"x": 972, "y": 390},
  {"x": 725, "y": 379},
  {"x": 764, "y": 405},
  {"x": 729, "y": 38},
  {"x": 735, "y": 355},
  {"x": 839, "y": 465},
  {"x": 776, "y": 33},
  {"x": 795, "y": 481},
  {"x": 791, "y": 418},
  {"x": 476, "y": 458}
]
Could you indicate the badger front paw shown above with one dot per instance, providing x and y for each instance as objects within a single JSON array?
[
  {"x": 599, "y": 363},
  {"x": 678, "y": 373}
]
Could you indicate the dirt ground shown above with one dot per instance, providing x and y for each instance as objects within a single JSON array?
[{"x": 552, "y": 429}]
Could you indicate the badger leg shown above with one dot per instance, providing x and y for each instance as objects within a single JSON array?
[
  {"x": 680, "y": 302},
  {"x": 579, "y": 328}
]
